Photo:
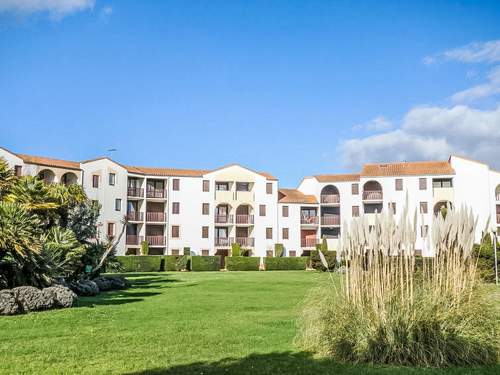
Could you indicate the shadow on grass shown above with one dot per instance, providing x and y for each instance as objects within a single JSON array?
[{"x": 301, "y": 363}]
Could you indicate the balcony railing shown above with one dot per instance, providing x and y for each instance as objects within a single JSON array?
[
  {"x": 156, "y": 193},
  {"x": 223, "y": 219},
  {"x": 309, "y": 242},
  {"x": 244, "y": 219},
  {"x": 372, "y": 195},
  {"x": 309, "y": 220},
  {"x": 135, "y": 216},
  {"x": 245, "y": 241},
  {"x": 155, "y": 216},
  {"x": 330, "y": 198},
  {"x": 223, "y": 241},
  {"x": 133, "y": 239},
  {"x": 156, "y": 240},
  {"x": 330, "y": 220},
  {"x": 135, "y": 192}
]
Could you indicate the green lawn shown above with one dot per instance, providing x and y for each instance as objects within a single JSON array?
[{"x": 180, "y": 323}]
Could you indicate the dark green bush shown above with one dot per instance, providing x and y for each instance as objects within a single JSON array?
[
  {"x": 205, "y": 263},
  {"x": 286, "y": 263},
  {"x": 242, "y": 263},
  {"x": 486, "y": 259},
  {"x": 170, "y": 262},
  {"x": 278, "y": 250},
  {"x": 137, "y": 263},
  {"x": 331, "y": 259},
  {"x": 183, "y": 263}
]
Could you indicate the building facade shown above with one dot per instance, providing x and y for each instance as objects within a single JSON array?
[{"x": 209, "y": 210}]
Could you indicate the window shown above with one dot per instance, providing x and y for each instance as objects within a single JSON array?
[
  {"x": 422, "y": 183},
  {"x": 355, "y": 189},
  {"x": 242, "y": 186},
  {"x": 284, "y": 211},
  {"x": 285, "y": 233},
  {"x": 292, "y": 253},
  {"x": 222, "y": 186},
  {"x": 269, "y": 188},
  {"x": 18, "y": 170},
  {"x": 176, "y": 184},
  {"x": 205, "y": 208},
  {"x": 206, "y": 185},
  {"x": 442, "y": 183},
  {"x": 423, "y": 207},
  {"x": 118, "y": 204},
  {"x": 204, "y": 232},
  {"x": 262, "y": 210},
  {"x": 205, "y": 253},
  {"x": 269, "y": 253},
  {"x": 392, "y": 206},
  {"x": 355, "y": 211},
  {"x": 269, "y": 233},
  {"x": 424, "y": 229},
  {"x": 111, "y": 229},
  {"x": 175, "y": 231},
  {"x": 95, "y": 181},
  {"x": 399, "y": 184},
  {"x": 175, "y": 251},
  {"x": 112, "y": 179},
  {"x": 176, "y": 207}
]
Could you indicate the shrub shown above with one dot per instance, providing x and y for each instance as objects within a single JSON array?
[
  {"x": 485, "y": 259},
  {"x": 170, "y": 262},
  {"x": 144, "y": 248},
  {"x": 187, "y": 251},
  {"x": 235, "y": 250},
  {"x": 242, "y": 263},
  {"x": 205, "y": 263},
  {"x": 386, "y": 313},
  {"x": 315, "y": 260},
  {"x": 134, "y": 263},
  {"x": 183, "y": 263},
  {"x": 286, "y": 263},
  {"x": 278, "y": 250}
]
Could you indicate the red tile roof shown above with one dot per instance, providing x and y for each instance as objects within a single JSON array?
[
  {"x": 49, "y": 162},
  {"x": 295, "y": 196},
  {"x": 337, "y": 177},
  {"x": 407, "y": 169},
  {"x": 153, "y": 171}
]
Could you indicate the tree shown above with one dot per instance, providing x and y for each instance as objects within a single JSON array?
[
  {"x": 33, "y": 195},
  {"x": 7, "y": 178}
]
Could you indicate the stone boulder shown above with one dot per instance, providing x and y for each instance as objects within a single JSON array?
[
  {"x": 8, "y": 303},
  {"x": 111, "y": 283},
  {"x": 86, "y": 288},
  {"x": 61, "y": 295},
  {"x": 30, "y": 298}
]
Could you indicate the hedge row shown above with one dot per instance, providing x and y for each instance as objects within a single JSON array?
[
  {"x": 205, "y": 263},
  {"x": 286, "y": 263},
  {"x": 134, "y": 263},
  {"x": 242, "y": 263}
]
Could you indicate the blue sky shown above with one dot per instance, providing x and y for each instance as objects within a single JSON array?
[{"x": 294, "y": 88}]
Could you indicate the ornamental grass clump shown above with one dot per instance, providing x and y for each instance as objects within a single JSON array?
[{"x": 389, "y": 311}]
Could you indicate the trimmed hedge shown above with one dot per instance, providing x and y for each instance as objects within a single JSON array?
[
  {"x": 242, "y": 263},
  {"x": 170, "y": 262},
  {"x": 286, "y": 263},
  {"x": 205, "y": 263},
  {"x": 138, "y": 263}
]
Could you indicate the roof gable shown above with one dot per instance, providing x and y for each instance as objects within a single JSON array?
[
  {"x": 295, "y": 196},
  {"x": 407, "y": 169}
]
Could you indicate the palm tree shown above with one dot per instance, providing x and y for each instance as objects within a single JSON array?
[
  {"x": 7, "y": 178},
  {"x": 32, "y": 194}
]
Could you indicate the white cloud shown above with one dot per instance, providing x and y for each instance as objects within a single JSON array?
[
  {"x": 431, "y": 133},
  {"x": 477, "y": 52},
  {"x": 377, "y": 124},
  {"x": 56, "y": 8},
  {"x": 492, "y": 87}
]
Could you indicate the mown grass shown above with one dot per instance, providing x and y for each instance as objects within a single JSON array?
[{"x": 181, "y": 323}]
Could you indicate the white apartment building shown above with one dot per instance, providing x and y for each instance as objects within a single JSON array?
[{"x": 209, "y": 210}]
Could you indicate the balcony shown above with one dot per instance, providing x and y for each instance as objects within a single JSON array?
[
  {"x": 156, "y": 240},
  {"x": 223, "y": 241},
  {"x": 156, "y": 193},
  {"x": 135, "y": 216},
  {"x": 135, "y": 192},
  {"x": 372, "y": 195},
  {"x": 244, "y": 219},
  {"x": 224, "y": 196},
  {"x": 330, "y": 220},
  {"x": 156, "y": 217},
  {"x": 308, "y": 242},
  {"x": 223, "y": 219},
  {"x": 309, "y": 220},
  {"x": 330, "y": 199},
  {"x": 245, "y": 241},
  {"x": 133, "y": 240}
]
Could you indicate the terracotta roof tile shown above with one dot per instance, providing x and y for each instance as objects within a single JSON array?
[
  {"x": 268, "y": 176},
  {"x": 49, "y": 162},
  {"x": 167, "y": 171},
  {"x": 337, "y": 177},
  {"x": 295, "y": 196},
  {"x": 407, "y": 169}
]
